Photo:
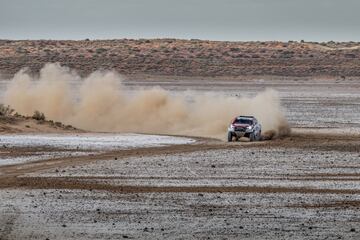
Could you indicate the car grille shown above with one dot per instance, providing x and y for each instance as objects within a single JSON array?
[{"x": 240, "y": 129}]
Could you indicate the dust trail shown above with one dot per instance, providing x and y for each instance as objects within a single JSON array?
[{"x": 103, "y": 104}]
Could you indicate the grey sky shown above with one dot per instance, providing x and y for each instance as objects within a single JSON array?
[{"x": 313, "y": 20}]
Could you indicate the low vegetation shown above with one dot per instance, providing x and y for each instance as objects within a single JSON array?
[
  {"x": 39, "y": 116},
  {"x": 6, "y": 110}
]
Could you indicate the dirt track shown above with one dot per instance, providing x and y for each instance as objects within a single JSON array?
[{"x": 10, "y": 175}]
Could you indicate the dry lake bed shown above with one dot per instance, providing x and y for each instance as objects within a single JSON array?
[{"x": 133, "y": 186}]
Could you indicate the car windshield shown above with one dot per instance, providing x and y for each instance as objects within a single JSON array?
[{"x": 243, "y": 121}]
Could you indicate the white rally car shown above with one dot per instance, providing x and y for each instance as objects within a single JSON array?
[{"x": 244, "y": 126}]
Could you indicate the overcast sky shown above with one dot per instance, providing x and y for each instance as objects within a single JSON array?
[{"x": 235, "y": 20}]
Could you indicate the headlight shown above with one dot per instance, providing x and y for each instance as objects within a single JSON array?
[
  {"x": 231, "y": 127},
  {"x": 249, "y": 127}
]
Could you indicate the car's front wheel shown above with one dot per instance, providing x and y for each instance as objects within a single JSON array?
[
  {"x": 252, "y": 137},
  {"x": 259, "y": 136},
  {"x": 230, "y": 136}
]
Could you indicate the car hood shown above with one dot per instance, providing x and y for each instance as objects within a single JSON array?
[{"x": 240, "y": 125}]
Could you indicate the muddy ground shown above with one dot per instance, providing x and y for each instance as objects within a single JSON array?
[{"x": 303, "y": 186}]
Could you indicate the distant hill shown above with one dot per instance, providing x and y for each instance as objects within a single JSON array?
[{"x": 171, "y": 57}]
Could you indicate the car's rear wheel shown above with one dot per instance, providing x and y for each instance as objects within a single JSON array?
[{"x": 230, "y": 136}]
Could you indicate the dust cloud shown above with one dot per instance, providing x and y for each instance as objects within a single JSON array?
[{"x": 102, "y": 103}]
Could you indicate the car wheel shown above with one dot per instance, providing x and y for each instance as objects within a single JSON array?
[
  {"x": 230, "y": 136},
  {"x": 252, "y": 137},
  {"x": 259, "y": 136}
]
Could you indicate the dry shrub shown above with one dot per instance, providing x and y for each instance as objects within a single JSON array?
[
  {"x": 39, "y": 116},
  {"x": 6, "y": 110}
]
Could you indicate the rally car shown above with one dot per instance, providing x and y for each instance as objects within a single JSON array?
[{"x": 244, "y": 126}]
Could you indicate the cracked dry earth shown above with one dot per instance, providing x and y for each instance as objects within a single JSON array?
[{"x": 304, "y": 186}]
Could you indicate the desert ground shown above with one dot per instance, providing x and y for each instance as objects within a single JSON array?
[{"x": 61, "y": 183}]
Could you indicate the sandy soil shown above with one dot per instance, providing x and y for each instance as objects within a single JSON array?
[
  {"x": 22, "y": 124},
  {"x": 304, "y": 186}
]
